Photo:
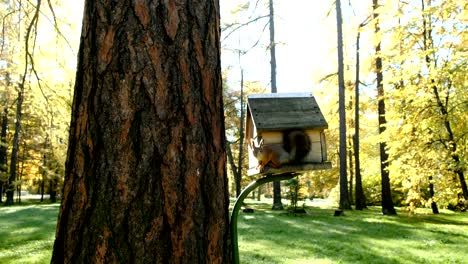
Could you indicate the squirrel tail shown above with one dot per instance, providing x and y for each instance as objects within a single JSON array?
[{"x": 297, "y": 144}]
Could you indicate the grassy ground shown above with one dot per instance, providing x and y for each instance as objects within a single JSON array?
[
  {"x": 358, "y": 237},
  {"x": 27, "y": 234}
]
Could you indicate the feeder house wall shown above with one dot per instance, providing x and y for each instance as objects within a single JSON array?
[{"x": 317, "y": 153}]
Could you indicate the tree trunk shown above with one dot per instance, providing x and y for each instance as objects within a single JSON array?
[
  {"x": 240, "y": 158},
  {"x": 351, "y": 169},
  {"x": 344, "y": 198},
  {"x": 387, "y": 203},
  {"x": 277, "y": 204},
  {"x": 360, "y": 198},
  {"x": 14, "y": 150},
  {"x": 3, "y": 151},
  {"x": 145, "y": 177},
  {"x": 259, "y": 193},
  {"x": 272, "y": 49},
  {"x": 435, "y": 209},
  {"x": 232, "y": 164},
  {"x": 52, "y": 190}
]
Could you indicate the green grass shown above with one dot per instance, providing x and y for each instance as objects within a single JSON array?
[
  {"x": 27, "y": 235},
  {"x": 358, "y": 237}
]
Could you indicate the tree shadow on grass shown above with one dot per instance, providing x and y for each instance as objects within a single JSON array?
[
  {"x": 20, "y": 225},
  {"x": 358, "y": 237}
]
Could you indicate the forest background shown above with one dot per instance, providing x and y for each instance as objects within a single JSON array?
[{"x": 423, "y": 48}]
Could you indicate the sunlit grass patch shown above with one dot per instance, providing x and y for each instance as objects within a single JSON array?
[
  {"x": 265, "y": 236},
  {"x": 358, "y": 237},
  {"x": 27, "y": 233}
]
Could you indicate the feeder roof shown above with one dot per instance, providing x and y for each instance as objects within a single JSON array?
[{"x": 280, "y": 111}]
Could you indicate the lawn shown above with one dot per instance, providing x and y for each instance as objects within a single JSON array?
[
  {"x": 27, "y": 235},
  {"x": 358, "y": 237}
]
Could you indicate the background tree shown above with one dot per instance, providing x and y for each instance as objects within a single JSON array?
[
  {"x": 344, "y": 198},
  {"x": 40, "y": 67},
  {"x": 145, "y": 177},
  {"x": 429, "y": 54},
  {"x": 3, "y": 153},
  {"x": 387, "y": 202},
  {"x": 360, "y": 198},
  {"x": 277, "y": 204}
]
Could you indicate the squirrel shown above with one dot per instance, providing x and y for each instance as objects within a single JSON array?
[
  {"x": 272, "y": 155},
  {"x": 296, "y": 146}
]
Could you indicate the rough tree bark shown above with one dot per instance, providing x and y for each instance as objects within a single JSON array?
[
  {"x": 344, "y": 198},
  {"x": 145, "y": 177},
  {"x": 387, "y": 202}
]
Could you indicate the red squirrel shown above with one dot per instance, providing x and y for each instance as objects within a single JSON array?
[
  {"x": 296, "y": 145},
  {"x": 272, "y": 155}
]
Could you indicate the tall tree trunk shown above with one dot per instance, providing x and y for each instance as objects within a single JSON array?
[
  {"x": 3, "y": 151},
  {"x": 344, "y": 201},
  {"x": 277, "y": 204},
  {"x": 351, "y": 169},
  {"x": 272, "y": 49},
  {"x": 145, "y": 177},
  {"x": 30, "y": 35},
  {"x": 387, "y": 202},
  {"x": 44, "y": 173},
  {"x": 52, "y": 190},
  {"x": 233, "y": 166},
  {"x": 240, "y": 157},
  {"x": 360, "y": 198},
  {"x": 14, "y": 150}
]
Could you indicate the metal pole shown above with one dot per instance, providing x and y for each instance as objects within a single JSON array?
[{"x": 240, "y": 200}]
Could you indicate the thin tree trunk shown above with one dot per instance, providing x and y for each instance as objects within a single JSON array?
[
  {"x": 27, "y": 67},
  {"x": 240, "y": 158},
  {"x": 3, "y": 151},
  {"x": 435, "y": 209},
  {"x": 259, "y": 193},
  {"x": 351, "y": 169},
  {"x": 360, "y": 199},
  {"x": 387, "y": 202},
  {"x": 277, "y": 204},
  {"x": 272, "y": 49},
  {"x": 145, "y": 177},
  {"x": 14, "y": 150},
  {"x": 44, "y": 163},
  {"x": 344, "y": 197},
  {"x": 234, "y": 171}
]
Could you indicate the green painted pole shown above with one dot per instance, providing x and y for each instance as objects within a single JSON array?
[{"x": 240, "y": 200}]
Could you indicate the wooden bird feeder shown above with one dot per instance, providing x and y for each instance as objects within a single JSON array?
[{"x": 270, "y": 115}]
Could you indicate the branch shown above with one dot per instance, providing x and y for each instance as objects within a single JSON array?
[
  {"x": 3, "y": 29},
  {"x": 240, "y": 25}
]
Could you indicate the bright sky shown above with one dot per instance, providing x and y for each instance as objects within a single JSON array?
[
  {"x": 306, "y": 43},
  {"x": 303, "y": 44},
  {"x": 305, "y": 33}
]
